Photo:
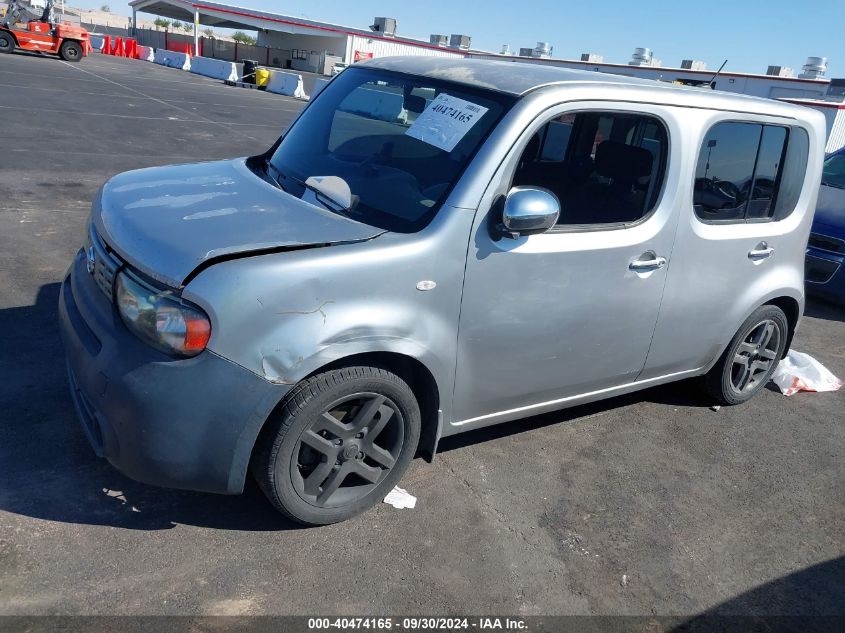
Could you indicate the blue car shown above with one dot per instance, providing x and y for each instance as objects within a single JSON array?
[{"x": 824, "y": 271}]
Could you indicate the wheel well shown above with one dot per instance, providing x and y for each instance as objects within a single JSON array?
[
  {"x": 420, "y": 381},
  {"x": 791, "y": 309}
]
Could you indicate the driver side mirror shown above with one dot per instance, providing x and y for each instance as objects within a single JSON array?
[{"x": 528, "y": 211}]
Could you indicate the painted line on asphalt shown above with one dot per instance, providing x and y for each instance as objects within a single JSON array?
[
  {"x": 116, "y": 83},
  {"x": 142, "y": 118},
  {"x": 275, "y": 108},
  {"x": 104, "y": 154}
]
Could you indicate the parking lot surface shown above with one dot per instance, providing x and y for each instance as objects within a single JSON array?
[{"x": 651, "y": 503}]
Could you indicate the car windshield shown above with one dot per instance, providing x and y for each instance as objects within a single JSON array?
[
  {"x": 385, "y": 148},
  {"x": 834, "y": 171}
]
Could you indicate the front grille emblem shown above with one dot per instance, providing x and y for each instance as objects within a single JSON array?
[{"x": 90, "y": 258}]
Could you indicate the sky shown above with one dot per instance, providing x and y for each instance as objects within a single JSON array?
[{"x": 750, "y": 34}]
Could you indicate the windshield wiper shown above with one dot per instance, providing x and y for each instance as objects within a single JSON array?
[{"x": 834, "y": 185}]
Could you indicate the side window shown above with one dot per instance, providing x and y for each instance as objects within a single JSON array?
[
  {"x": 749, "y": 172},
  {"x": 604, "y": 167},
  {"x": 769, "y": 161},
  {"x": 725, "y": 171}
]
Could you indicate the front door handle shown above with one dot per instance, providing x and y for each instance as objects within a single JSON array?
[
  {"x": 761, "y": 251},
  {"x": 648, "y": 261}
]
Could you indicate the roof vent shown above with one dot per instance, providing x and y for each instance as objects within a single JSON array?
[
  {"x": 693, "y": 64},
  {"x": 780, "y": 71},
  {"x": 385, "y": 26},
  {"x": 641, "y": 57},
  {"x": 814, "y": 68},
  {"x": 595, "y": 58},
  {"x": 506, "y": 49},
  {"x": 439, "y": 40},
  {"x": 460, "y": 41},
  {"x": 543, "y": 50}
]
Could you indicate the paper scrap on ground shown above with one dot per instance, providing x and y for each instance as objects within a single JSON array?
[
  {"x": 801, "y": 372},
  {"x": 400, "y": 498},
  {"x": 445, "y": 121}
]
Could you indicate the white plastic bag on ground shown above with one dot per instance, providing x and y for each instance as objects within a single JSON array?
[
  {"x": 400, "y": 498},
  {"x": 801, "y": 372}
]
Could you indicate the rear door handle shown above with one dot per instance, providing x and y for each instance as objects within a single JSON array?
[
  {"x": 650, "y": 261},
  {"x": 761, "y": 251}
]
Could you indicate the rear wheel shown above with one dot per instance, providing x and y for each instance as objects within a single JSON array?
[
  {"x": 7, "y": 42},
  {"x": 71, "y": 51},
  {"x": 338, "y": 444},
  {"x": 751, "y": 358}
]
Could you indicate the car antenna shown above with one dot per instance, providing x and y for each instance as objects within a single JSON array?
[{"x": 713, "y": 79}]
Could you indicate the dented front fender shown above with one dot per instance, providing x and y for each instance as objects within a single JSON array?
[{"x": 284, "y": 316}]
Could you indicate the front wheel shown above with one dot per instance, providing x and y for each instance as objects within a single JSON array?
[
  {"x": 338, "y": 444},
  {"x": 751, "y": 358},
  {"x": 7, "y": 42},
  {"x": 70, "y": 51}
]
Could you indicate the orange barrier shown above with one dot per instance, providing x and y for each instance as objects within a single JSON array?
[
  {"x": 107, "y": 49},
  {"x": 119, "y": 49},
  {"x": 181, "y": 47}
]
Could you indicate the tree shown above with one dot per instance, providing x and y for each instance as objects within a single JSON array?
[
  {"x": 242, "y": 38},
  {"x": 187, "y": 27},
  {"x": 176, "y": 24},
  {"x": 162, "y": 23},
  {"x": 209, "y": 33},
  {"x": 105, "y": 8}
]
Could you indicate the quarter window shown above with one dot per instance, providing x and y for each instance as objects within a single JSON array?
[
  {"x": 604, "y": 167},
  {"x": 744, "y": 168}
]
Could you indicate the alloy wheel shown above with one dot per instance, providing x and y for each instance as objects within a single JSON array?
[
  {"x": 344, "y": 454},
  {"x": 755, "y": 357}
]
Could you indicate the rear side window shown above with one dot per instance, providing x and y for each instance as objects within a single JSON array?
[{"x": 749, "y": 172}]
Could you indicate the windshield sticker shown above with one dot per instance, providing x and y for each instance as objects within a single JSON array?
[{"x": 445, "y": 121}]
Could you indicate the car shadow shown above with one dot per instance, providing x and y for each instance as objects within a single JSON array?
[
  {"x": 821, "y": 309},
  {"x": 684, "y": 393},
  {"x": 810, "y": 600},
  {"x": 49, "y": 471}
]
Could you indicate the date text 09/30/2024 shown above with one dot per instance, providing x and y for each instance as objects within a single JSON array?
[{"x": 417, "y": 624}]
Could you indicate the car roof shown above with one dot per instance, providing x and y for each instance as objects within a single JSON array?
[{"x": 519, "y": 78}]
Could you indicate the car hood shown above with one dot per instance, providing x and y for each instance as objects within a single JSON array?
[
  {"x": 167, "y": 221},
  {"x": 830, "y": 208}
]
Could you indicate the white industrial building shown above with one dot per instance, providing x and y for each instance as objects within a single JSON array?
[{"x": 312, "y": 46}]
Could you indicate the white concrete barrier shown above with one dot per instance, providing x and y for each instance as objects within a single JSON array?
[
  {"x": 146, "y": 53},
  {"x": 375, "y": 104},
  {"x": 319, "y": 84},
  {"x": 214, "y": 68},
  {"x": 172, "y": 59},
  {"x": 288, "y": 84}
]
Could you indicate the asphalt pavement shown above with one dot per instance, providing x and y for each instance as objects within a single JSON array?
[{"x": 651, "y": 503}]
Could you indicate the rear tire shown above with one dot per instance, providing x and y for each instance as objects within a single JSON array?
[
  {"x": 339, "y": 442},
  {"x": 751, "y": 357},
  {"x": 7, "y": 42},
  {"x": 71, "y": 51}
]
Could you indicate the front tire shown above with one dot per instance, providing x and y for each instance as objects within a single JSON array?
[
  {"x": 7, "y": 42},
  {"x": 339, "y": 442},
  {"x": 751, "y": 358},
  {"x": 70, "y": 51}
]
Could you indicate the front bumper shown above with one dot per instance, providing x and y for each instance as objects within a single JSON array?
[
  {"x": 178, "y": 423},
  {"x": 824, "y": 274}
]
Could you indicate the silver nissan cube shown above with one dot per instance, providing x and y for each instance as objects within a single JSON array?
[{"x": 434, "y": 246}]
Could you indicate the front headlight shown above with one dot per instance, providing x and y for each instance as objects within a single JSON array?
[{"x": 160, "y": 319}]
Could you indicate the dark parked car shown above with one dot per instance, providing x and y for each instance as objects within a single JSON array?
[{"x": 825, "y": 274}]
